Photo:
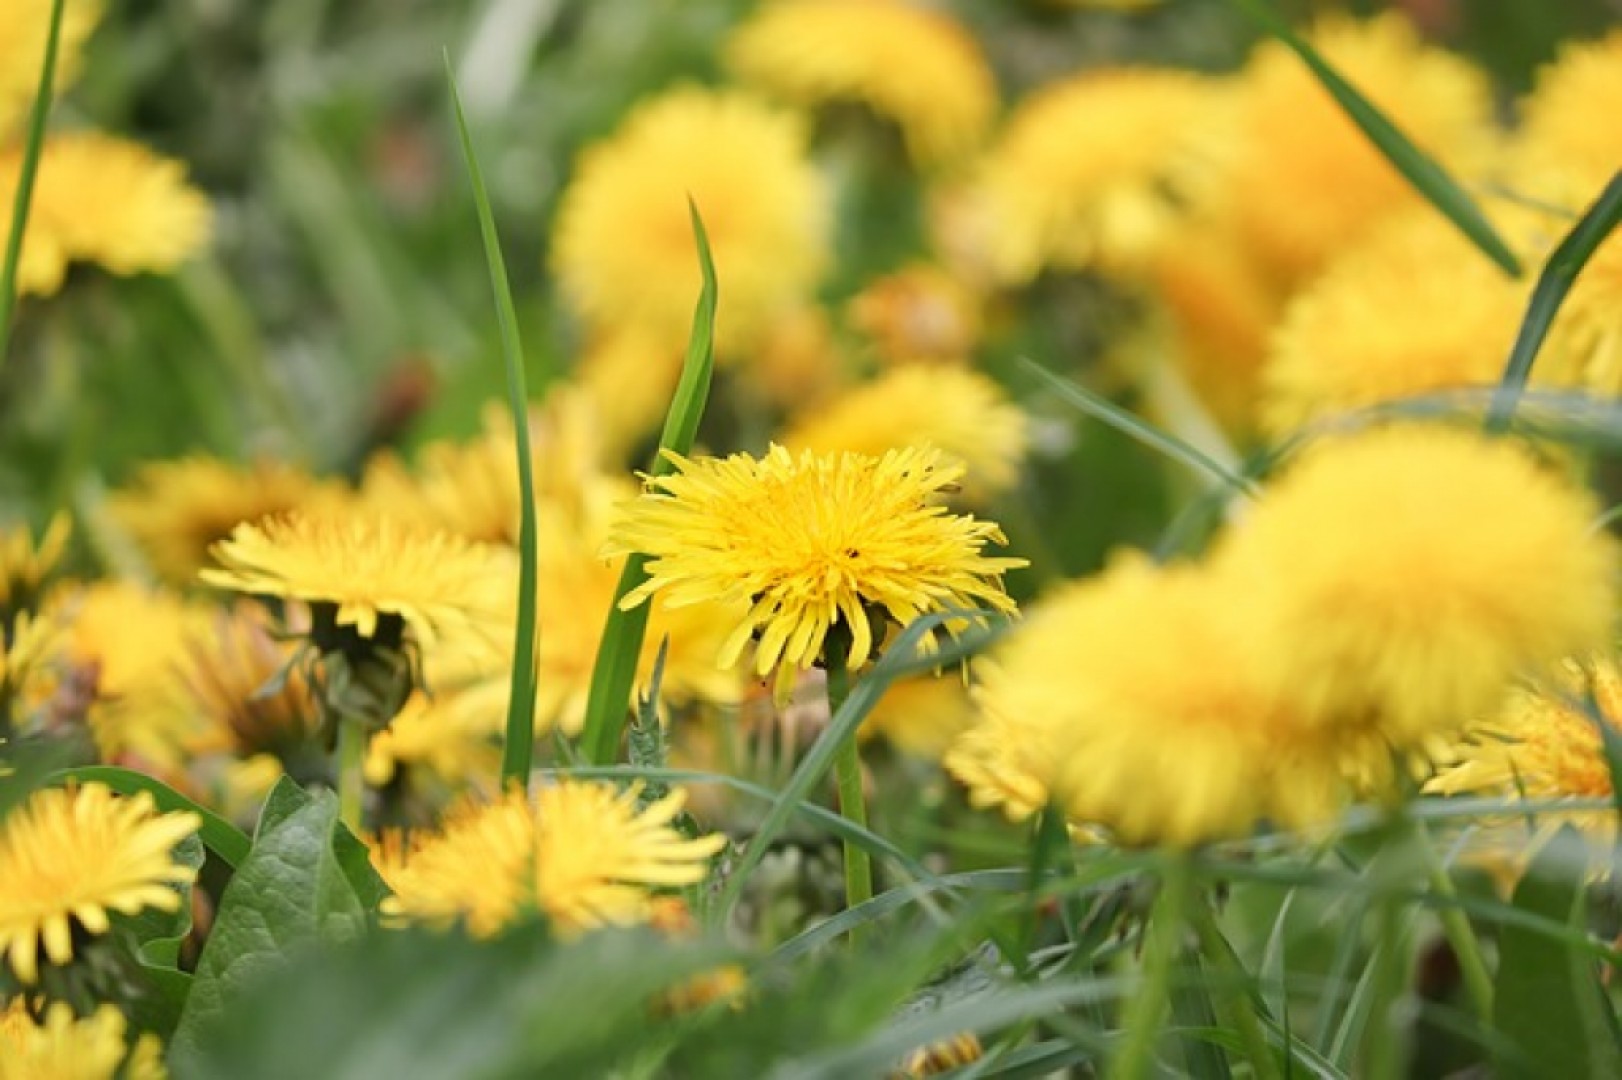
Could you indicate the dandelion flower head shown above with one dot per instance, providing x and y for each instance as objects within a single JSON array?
[
  {"x": 62, "y": 1046},
  {"x": 1408, "y": 574},
  {"x": 581, "y": 853},
  {"x": 811, "y": 542},
  {"x": 914, "y": 66},
  {"x": 24, "y": 26},
  {"x": 1558, "y": 127},
  {"x": 624, "y": 251},
  {"x": 69, "y": 858}
]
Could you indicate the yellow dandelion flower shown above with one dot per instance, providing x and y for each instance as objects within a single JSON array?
[
  {"x": 1094, "y": 169},
  {"x": 1557, "y": 118},
  {"x": 1542, "y": 745},
  {"x": 1412, "y": 309},
  {"x": 27, "y": 652},
  {"x": 922, "y": 716},
  {"x": 960, "y": 412},
  {"x": 799, "y": 362},
  {"x": 26, "y": 565},
  {"x": 235, "y": 675},
  {"x": 1133, "y": 735},
  {"x": 1406, "y": 575},
  {"x": 623, "y": 244},
  {"x": 947, "y": 1055},
  {"x": 24, "y": 25},
  {"x": 447, "y": 735},
  {"x": 581, "y": 853},
  {"x": 371, "y": 570},
  {"x": 920, "y": 314},
  {"x": 62, "y": 1046},
  {"x": 1304, "y": 180},
  {"x": 809, "y": 543},
  {"x": 629, "y": 376},
  {"x": 126, "y": 641},
  {"x": 914, "y": 66},
  {"x": 70, "y": 857},
  {"x": 176, "y": 510}
]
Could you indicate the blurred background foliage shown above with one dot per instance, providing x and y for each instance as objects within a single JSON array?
[{"x": 345, "y": 306}]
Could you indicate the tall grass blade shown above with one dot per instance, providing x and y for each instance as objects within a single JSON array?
[
  {"x": 519, "y": 747},
  {"x": 1558, "y": 275},
  {"x": 1417, "y": 167},
  {"x": 607, "y": 700},
  {"x": 1135, "y": 427},
  {"x": 33, "y": 144}
]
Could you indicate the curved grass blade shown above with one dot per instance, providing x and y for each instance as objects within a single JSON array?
[
  {"x": 221, "y": 837},
  {"x": 1135, "y": 427},
  {"x": 32, "y": 145},
  {"x": 621, "y": 646},
  {"x": 518, "y": 747},
  {"x": 1417, "y": 167},
  {"x": 1558, "y": 275}
]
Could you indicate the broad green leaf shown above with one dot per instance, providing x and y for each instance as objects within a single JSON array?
[
  {"x": 218, "y": 835},
  {"x": 291, "y": 891},
  {"x": 1548, "y": 1000},
  {"x": 620, "y": 650},
  {"x": 28, "y": 169},
  {"x": 411, "y": 1003},
  {"x": 157, "y": 936},
  {"x": 518, "y": 749},
  {"x": 1417, "y": 167},
  {"x": 1559, "y": 273}
]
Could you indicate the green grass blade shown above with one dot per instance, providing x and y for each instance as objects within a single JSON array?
[
  {"x": 32, "y": 147},
  {"x": 1559, "y": 273},
  {"x": 1135, "y": 427},
  {"x": 518, "y": 748},
  {"x": 607, "y": 700},
  {"x": 221, "y": 837},
  {"x": 1417, "y": 167}
]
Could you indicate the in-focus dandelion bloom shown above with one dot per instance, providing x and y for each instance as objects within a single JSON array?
[
  {"x": 960, "y": 412},
  {"x": 369, "y": 567},
  {"x": 176, "y": 510},
  {"x": 1407, "y": 575},
  {"x": 1148, "y": 711},
  {"x": 1543, "y": 745},
  {"x": 623, "y": 246},
  {"x": 69, "y": 858},
  {"x": 1094, "y": 169},
  {"x": 808, "y": 543},
  {"x": 911, "y": 65},
  {"x": 1412, "y": 309},
  {"x": 1304, "y": 180},
  {"x": 581, "y": 853},
  {"x": 62, "y": 1046}
]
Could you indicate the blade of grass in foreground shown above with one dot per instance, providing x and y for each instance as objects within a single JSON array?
[
  {"x": 519, "y": 746},
  {"x": 607, "y": 700},
  {"x": 1559, "y": 273},
  {"x": 32, "y": 146},
  {"x": 1417, "y": 167}
]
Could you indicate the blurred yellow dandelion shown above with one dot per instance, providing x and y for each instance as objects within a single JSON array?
[{"x": 62, "y": 1046}]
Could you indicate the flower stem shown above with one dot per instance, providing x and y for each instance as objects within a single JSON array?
[
  {"x": 1456, "y": 925},
  {"x": 351, "y": 779},
  {"x": 1140, "y": 1024},
  {"x": 1239, "y": 1006},
  {"x": 848, "y": 773},
  {"x": 1384, "y": 1049}
]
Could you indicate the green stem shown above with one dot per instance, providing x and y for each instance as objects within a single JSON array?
[
  {"x": 1383, "y": 1043},
  {"x": 1236, "y": 999},
  {"x": 848, "y": 773},
  {"x": 1140, "y": 1025},
  {"x": 25, "y": 177},
  {"x": 1456, "y": 925},
  {"x": 351, "y": 775}
]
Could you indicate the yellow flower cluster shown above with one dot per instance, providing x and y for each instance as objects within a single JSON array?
[{"x": 1308, "y": 656}]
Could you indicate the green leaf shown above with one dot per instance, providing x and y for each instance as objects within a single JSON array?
[
  {"x": 518, "y": 749},
  {"x": 1417, "y": 167},
  {"x": 1548, "y": 1000},
  {"x": 1559, "y": 273},
  {"x": 33, "y": 144},
  {"x": 1135, "y": 427},
  {"x": 410, "y": 1003},
  {"x": 219, "y": 836},
  {"x": 158, "y": 936},
  {"x": 620, "y": 650},
  {"x": 291, "y": 891}
]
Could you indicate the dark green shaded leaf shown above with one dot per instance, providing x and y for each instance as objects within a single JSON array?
[{"x": 1417, "y": 167}]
